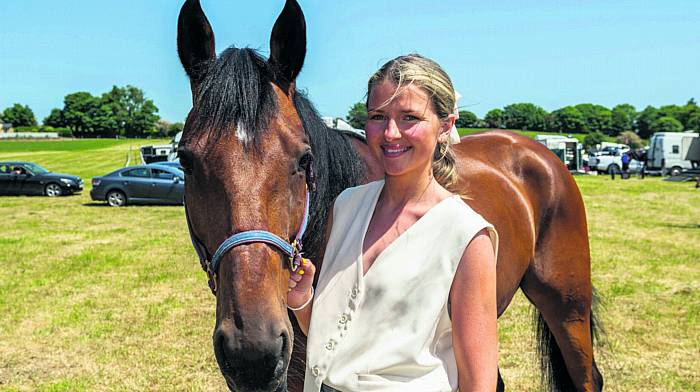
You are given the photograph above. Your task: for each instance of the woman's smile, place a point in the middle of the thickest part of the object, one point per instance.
(394, 150)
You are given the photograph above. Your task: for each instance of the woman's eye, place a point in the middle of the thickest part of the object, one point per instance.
(376, 117)
(410, 117)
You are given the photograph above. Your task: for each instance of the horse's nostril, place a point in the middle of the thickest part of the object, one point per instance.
(251, 364)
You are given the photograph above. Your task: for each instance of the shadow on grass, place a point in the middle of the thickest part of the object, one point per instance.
(682, 226)
(99, 204)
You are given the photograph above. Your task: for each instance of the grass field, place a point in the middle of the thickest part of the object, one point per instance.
(113, 299)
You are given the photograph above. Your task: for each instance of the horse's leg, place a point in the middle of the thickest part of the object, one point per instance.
(558, 283)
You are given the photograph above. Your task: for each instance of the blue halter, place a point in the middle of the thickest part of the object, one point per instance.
(292, 251)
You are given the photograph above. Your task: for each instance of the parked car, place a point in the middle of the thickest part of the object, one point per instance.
(608, 163)
(176, 164)
(28, 178)
(145, 184)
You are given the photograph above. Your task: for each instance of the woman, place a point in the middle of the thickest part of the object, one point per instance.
(406, 300)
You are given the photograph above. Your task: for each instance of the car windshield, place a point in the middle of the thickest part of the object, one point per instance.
(34, 168)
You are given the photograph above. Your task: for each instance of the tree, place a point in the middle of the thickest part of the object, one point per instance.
(357, 116)
(566, 120)
(133, 115)
(694, 123)
(690, 115)
(167, 129)
(494, 118)
(525, 116)
(593, 139)
(666, 124)
(19, 116)
(467, 119)
(597, 118)
(77, 111)
(630, 138)
(55, 119)
(175, 128)
(622, 118)
(644, 120)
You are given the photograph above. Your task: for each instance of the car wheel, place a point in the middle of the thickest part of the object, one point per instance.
(614, 168)
(53, 190)
(675, 171)
(116, 199)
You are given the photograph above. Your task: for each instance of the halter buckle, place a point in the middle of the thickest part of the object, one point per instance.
(295, 258)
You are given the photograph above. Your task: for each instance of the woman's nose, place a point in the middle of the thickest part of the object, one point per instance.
(391, 132)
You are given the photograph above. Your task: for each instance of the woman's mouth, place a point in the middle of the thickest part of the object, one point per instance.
(394, 151)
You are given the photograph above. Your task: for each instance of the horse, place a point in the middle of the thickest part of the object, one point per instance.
(260, 163)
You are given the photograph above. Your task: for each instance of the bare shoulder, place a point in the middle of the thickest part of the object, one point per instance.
(478, 263)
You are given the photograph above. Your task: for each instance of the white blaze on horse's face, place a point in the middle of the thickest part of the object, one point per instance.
(242, 134)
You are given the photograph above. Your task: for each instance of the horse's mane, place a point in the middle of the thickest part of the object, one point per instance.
(236, 89)
(337, 167)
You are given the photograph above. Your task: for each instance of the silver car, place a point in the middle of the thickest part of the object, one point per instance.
(142, 184)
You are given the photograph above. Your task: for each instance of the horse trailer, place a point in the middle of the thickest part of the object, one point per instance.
(668, 152)
(568, 149)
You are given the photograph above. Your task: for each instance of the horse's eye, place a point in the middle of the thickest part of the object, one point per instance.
(185, 158)
(306, 164)
(305, 161)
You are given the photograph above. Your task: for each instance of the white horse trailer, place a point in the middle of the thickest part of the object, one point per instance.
(668, 152)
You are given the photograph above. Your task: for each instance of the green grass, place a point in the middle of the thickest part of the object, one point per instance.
(86, 158)
(113, 299)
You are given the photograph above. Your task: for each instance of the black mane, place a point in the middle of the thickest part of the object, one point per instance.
(236, 89)
(337, 166)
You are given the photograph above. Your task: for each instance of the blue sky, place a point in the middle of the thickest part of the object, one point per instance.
(552, 53)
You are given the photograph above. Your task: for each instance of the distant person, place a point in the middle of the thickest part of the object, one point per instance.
(625, 165)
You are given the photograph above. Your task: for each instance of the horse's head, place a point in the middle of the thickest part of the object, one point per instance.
(247, 159)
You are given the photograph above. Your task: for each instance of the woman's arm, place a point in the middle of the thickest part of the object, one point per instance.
(474, 325)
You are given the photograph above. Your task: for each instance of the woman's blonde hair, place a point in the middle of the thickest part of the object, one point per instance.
(414, 69)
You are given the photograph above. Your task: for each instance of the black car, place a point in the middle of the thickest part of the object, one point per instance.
(28, 178)
(147, 184)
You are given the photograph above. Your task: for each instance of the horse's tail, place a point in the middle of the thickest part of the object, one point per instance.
(555, 376)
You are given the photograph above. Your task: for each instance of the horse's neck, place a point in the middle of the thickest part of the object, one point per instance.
(342, 163)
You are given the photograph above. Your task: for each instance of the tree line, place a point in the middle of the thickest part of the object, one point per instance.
(588, 118)
(120, 112)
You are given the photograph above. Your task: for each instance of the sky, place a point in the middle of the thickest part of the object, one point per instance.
(551, 53)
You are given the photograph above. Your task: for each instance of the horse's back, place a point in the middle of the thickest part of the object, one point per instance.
(522, 188)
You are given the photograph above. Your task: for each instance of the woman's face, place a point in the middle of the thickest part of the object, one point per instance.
(403, 133)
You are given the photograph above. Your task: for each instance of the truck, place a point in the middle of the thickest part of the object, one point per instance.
(672, 152)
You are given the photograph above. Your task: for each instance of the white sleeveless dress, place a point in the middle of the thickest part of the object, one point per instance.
(388, 330)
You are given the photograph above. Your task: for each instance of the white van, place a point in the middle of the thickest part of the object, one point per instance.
(668, 152)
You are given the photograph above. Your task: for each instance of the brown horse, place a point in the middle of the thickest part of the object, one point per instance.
(252, 145)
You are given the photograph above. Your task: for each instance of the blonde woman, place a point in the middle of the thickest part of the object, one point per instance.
(406, 300)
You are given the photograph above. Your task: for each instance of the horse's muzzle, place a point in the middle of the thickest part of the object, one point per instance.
(253, 365)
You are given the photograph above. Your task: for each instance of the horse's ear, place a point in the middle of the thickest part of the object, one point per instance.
(195, 39)
(288, 42)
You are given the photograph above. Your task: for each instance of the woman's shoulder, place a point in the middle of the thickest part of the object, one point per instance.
(358, 192)
(462, 209)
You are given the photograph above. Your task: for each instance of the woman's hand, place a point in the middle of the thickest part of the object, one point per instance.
(300, 281)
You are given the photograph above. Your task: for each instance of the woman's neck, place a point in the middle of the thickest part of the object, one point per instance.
(410, 188)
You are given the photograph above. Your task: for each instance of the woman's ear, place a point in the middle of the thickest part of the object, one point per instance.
(446, 127)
